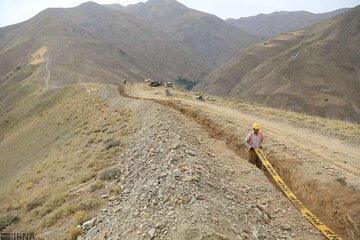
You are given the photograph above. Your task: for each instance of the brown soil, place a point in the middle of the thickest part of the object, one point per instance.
(322, 171)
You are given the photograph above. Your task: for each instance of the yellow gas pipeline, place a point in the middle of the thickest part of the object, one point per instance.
(325, 230)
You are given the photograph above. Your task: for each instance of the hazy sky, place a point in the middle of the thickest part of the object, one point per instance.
(14, 11)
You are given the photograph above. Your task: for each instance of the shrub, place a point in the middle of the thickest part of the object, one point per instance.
(29, 185)
(115, 189)
(54, 202)
(80, 217)
(36, 202)
(6, 220)
(87, 177)
(110, 174)
(74, 233)
(112, 143)
(187, 84)
(97, 185)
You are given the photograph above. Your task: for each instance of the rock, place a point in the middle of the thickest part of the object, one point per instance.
(151, 233)
(176, 173)
(78, 227)
(190, 152)
(113, 198)
(255, 232)
(191, 179)
(162, 175)
(159, 225)
(89, 224)
(200, 197)
(286, 227)
(176, 146)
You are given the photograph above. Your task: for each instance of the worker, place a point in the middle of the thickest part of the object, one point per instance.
(124, 81)
(254, 140)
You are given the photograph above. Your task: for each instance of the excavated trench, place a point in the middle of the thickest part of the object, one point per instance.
(334, 204)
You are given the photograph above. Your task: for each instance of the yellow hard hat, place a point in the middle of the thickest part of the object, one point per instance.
(256, 126)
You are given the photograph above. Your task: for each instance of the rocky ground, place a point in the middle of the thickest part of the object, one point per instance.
(178, 182)
(319, 159)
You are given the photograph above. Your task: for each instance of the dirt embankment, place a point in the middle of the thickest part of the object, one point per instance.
(336, 204)
(313, 167)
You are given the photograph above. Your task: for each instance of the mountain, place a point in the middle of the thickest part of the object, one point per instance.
(209, 36)
(114, 6)
(90, 43)
(270, 25)
(314, 70)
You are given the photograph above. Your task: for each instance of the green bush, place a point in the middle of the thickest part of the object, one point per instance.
(6, 220)
(112, 143)
(110, 174)
(187, 84)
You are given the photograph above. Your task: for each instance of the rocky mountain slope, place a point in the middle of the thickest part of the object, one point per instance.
(314, 70)
(92, 43)
(209, 36)
(270, 25)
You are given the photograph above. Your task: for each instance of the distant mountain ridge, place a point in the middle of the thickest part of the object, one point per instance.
(270, 25)
(209, 36)
(315, 70)
(93, 43)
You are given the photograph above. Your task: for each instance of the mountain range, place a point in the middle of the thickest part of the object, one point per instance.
(315, 70)
(96, 43)
(208, 35)
(312, 70)
(270, 25)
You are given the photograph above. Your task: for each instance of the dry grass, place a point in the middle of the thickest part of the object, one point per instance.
(74, 233)
(80, 217)
(115, 189)
(71, 209)
(54, 187)
(97, 185)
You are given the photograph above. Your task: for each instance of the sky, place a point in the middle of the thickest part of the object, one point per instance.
(14, 11)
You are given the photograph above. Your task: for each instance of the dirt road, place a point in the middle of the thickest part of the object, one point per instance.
(323, 171)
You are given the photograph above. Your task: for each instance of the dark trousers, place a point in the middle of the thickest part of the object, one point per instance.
(254, 159)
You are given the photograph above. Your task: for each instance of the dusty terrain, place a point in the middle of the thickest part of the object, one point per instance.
(93, 161)
(317, 159)
(179, 182)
